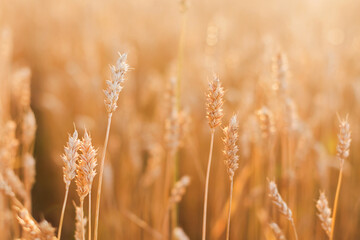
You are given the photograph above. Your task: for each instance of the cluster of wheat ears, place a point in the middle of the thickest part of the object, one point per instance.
(278, 165)
(80, 162)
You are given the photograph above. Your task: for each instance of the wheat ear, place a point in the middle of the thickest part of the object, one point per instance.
(324, 213)
(343, 148)
(114, 87)
(88, 156)
(266, 122)
(85, 172)
(28, 136)
(47, 231)
(177, 193)
(70, 157)
(231, 159)
(29, 225)
(279, 235)
(80, 223)
(281, 205)
(214, 103)
(179, 234)
(172, 137)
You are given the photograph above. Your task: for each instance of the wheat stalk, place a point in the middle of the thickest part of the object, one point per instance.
(114, 87)
(281, 205)
(70, 158)
(214, 103)
(85, 172)
(324, 213)
(88, 164)
(231, 159)
(343, 148)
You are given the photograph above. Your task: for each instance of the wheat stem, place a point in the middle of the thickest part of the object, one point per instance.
(294, 228)
(168, 167)
(229, 215)
(97, 210)
(165, 225)
(335, 204)
(89, 215)
(180, 58)
(207, 184)
(63, 211)
(82, 218)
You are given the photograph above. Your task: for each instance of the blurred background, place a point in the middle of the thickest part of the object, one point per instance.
(297, 59)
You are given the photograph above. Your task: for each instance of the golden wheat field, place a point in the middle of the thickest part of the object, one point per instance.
(181, 119)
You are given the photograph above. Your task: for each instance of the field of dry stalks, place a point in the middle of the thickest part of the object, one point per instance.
(154, 119)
